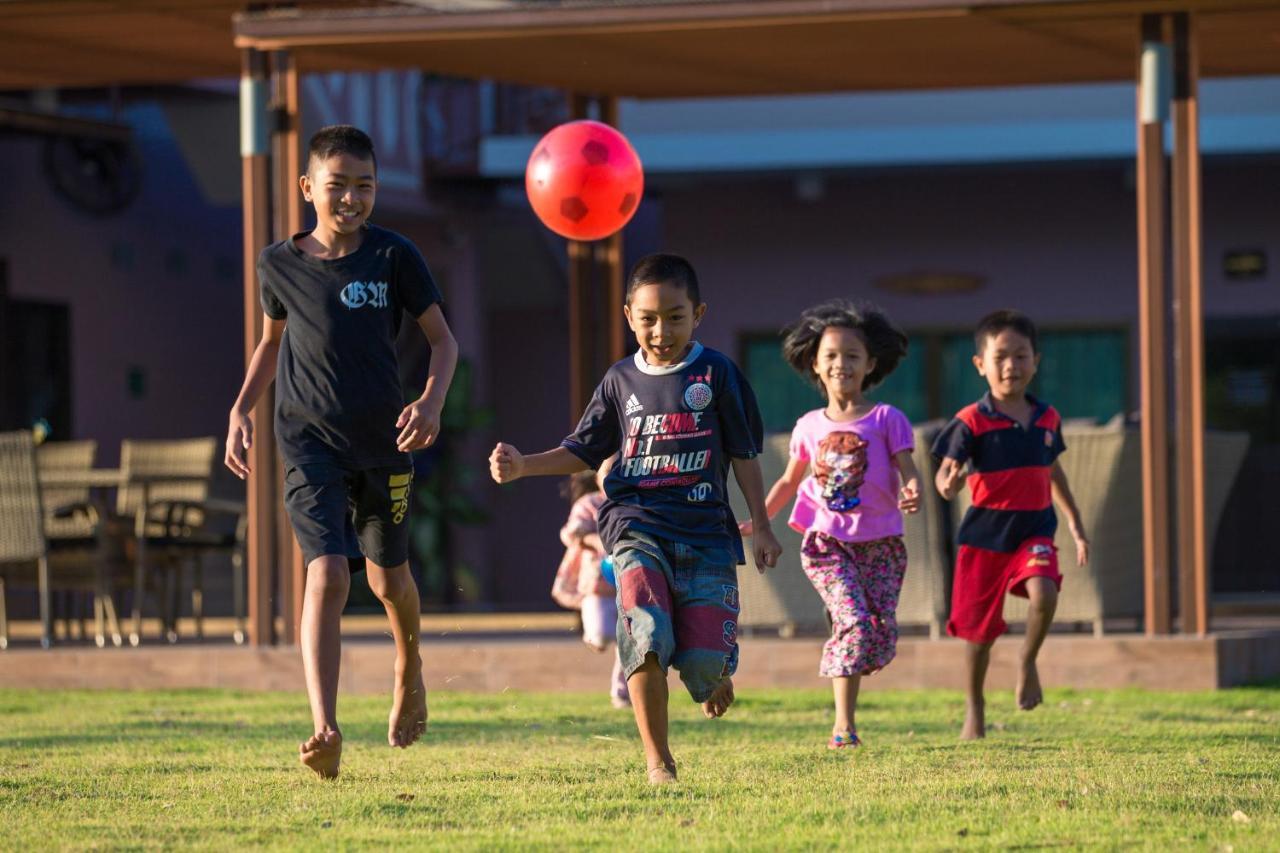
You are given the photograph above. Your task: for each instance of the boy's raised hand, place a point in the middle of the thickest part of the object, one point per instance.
(419, 424)
(506, 463)
(765, 548)
(239, 439)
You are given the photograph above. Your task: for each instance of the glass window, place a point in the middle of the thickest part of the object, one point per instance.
(1084, 373)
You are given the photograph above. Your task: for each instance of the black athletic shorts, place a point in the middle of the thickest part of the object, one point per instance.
(334, 509)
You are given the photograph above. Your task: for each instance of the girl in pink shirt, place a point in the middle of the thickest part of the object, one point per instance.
(580, 583)
(852, 477)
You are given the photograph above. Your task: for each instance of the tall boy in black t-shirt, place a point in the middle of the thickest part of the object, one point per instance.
(679, 415)
(333, 299)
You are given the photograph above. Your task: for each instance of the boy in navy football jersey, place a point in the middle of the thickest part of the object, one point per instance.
(680, 415)
(1012, 442)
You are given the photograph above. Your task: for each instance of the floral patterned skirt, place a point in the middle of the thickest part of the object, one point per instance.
(860, 583)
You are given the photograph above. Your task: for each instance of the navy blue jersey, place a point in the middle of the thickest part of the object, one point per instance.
(1009, 472)
(676, 428)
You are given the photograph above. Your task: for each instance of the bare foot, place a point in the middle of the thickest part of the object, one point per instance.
(975, 726)
(322, 753)
(1029, 693)
(663, 774)
(720, 700)
(408, 718)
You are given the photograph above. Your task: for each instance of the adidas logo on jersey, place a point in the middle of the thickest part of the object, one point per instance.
(633, 405)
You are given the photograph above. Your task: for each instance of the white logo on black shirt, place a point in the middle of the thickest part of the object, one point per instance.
(633, 405)
(359, 294)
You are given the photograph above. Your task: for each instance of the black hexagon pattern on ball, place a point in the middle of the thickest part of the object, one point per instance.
(573, 208)
(595, 152)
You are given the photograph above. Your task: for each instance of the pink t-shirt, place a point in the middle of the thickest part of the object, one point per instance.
(851, 492)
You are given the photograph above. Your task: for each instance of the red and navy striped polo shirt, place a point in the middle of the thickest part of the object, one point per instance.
(1008, 474)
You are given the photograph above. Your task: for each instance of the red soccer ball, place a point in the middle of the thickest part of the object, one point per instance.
(584, 180)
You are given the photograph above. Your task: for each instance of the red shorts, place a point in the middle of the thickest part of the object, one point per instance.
(982, 579)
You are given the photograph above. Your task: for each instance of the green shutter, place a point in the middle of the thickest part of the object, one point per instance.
(782, 394)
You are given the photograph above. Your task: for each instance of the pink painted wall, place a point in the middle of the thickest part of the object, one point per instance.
(175, 310)
(1056, 241)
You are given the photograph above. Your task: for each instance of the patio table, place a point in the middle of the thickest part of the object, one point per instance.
(99, 478)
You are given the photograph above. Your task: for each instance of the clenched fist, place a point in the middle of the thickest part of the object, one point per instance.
(506, 463)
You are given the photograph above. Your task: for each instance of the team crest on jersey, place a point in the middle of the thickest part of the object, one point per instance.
(697, 393)
(1048, 438)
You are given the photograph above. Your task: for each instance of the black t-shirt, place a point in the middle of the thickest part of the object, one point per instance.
(337, 381)
(676, 427)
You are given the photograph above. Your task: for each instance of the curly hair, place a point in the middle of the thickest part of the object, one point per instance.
(884, 342)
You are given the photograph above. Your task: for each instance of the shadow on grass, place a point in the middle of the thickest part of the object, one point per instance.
(536, 726)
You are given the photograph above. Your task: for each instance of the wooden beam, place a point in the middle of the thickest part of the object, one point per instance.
(1193, 569)
(256, 190)
(287, 205)
(1152, 310)
(276, 29)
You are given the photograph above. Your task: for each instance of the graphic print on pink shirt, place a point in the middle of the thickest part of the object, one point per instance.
(840, 466)
(851, 491)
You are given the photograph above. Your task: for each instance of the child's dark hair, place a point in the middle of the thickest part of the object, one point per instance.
(340, 139)
(998, 321)
(579, 484)
(664, 269)
(884, 342)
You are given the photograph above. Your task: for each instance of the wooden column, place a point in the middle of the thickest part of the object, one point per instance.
(611, 264)
(1152, 107)
(255, 199)
(581, 316)
(5, 414)
(286, 166)
(597, 333)
(1193, 569)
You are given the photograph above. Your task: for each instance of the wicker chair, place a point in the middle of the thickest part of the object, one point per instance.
(926, 585)
(68, 510)
(782, 599)
(75, 517)
(1104, 467)
(27, 555)
(178, 524)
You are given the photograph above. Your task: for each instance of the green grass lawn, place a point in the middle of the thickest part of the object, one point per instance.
(215, 769)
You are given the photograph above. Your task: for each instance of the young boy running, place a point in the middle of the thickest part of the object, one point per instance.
(681, 415)
(333, 299)
(1011, 441)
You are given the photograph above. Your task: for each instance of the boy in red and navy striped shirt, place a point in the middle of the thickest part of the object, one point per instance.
(1011, 442)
